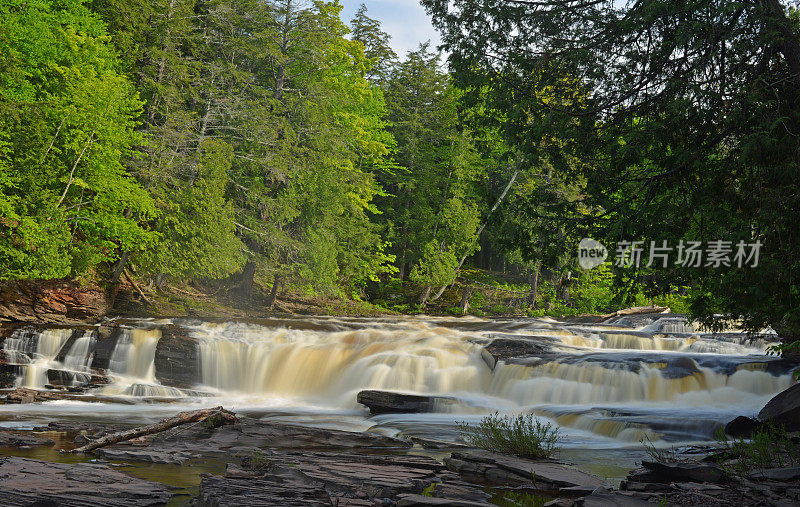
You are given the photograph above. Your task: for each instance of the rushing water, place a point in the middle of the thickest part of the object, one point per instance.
(605, 385)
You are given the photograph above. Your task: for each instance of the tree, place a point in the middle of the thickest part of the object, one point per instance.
(380, 55)
(434, 205)
(685, 119)
(67, 119)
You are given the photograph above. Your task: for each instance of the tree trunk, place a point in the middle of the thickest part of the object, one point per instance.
(566, 281)
(226, 417)
(423, 300)
(534, 284)
(273, 293)
(465, 300)
(248, 276)
(480, 230)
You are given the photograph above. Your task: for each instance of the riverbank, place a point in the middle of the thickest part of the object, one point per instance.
(256, 462)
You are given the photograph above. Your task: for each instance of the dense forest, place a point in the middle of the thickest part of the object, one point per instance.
(270, 143)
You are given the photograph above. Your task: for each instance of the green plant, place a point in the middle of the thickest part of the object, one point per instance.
(659, 455)
(769, 447)
(523, 435)
(257, 461)
(428, 491)
(520, 499)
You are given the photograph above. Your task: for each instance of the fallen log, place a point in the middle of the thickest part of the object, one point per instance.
(636, 310)
(220, 415)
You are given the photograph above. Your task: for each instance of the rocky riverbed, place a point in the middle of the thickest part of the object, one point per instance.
(259, 462)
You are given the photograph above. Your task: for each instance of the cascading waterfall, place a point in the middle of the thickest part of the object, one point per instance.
(79, 356)
(421, 357)
(35, 351)
(255, 360)
(132, 366)
(665, 380)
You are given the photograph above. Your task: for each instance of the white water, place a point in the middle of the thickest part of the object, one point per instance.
(603, 384)
(36, 351)
(132, 366)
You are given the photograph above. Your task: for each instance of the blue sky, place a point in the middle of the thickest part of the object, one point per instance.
(405, 20)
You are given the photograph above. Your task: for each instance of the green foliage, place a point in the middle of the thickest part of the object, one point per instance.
(658, 454)
(524, 435)
(702, 147)
(197, 229)
(67, 125)
(769, 447)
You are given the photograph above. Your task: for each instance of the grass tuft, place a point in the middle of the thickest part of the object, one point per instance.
(523, 435)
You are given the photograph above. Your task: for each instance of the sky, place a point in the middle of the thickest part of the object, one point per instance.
(405, 20)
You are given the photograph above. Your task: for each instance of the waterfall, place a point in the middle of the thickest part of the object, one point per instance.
(132, 365)
(287, 362)
(79, 356)
(35, 351)
(664, 380)
(134, 354)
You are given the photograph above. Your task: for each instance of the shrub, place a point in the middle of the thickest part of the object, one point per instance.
(769, 447)
(523, 435)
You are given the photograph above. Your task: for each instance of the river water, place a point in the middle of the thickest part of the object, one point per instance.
(606, 386)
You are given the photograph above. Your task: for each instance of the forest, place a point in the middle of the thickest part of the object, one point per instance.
(272, 146)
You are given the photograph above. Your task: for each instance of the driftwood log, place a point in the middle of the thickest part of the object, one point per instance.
(636, 310)
(224, 417)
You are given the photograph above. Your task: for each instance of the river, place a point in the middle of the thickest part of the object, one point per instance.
(607, 386)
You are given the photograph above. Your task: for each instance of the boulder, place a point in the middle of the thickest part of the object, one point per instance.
(387, 402)
(688, 471)
(8, 439)
(31, 482)
(784, 409)
(516, 349)
(742, 427)
(501, 469)
(177, 362)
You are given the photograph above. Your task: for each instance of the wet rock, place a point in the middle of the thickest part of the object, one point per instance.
(602, 497)
(324, 478)
(267, 491)
(742, 427)
(512, 350)
(781, 474)
(387, 402)
(241, 439)
(69, 378)
(680, 367)
(25, 395)
(496, 468)
(683, 472)
(145, 455)
(31, 482)
(8, 375)
(105, 341)
(52, 301)
(784, 409)
(8, 439)
(176, 360)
